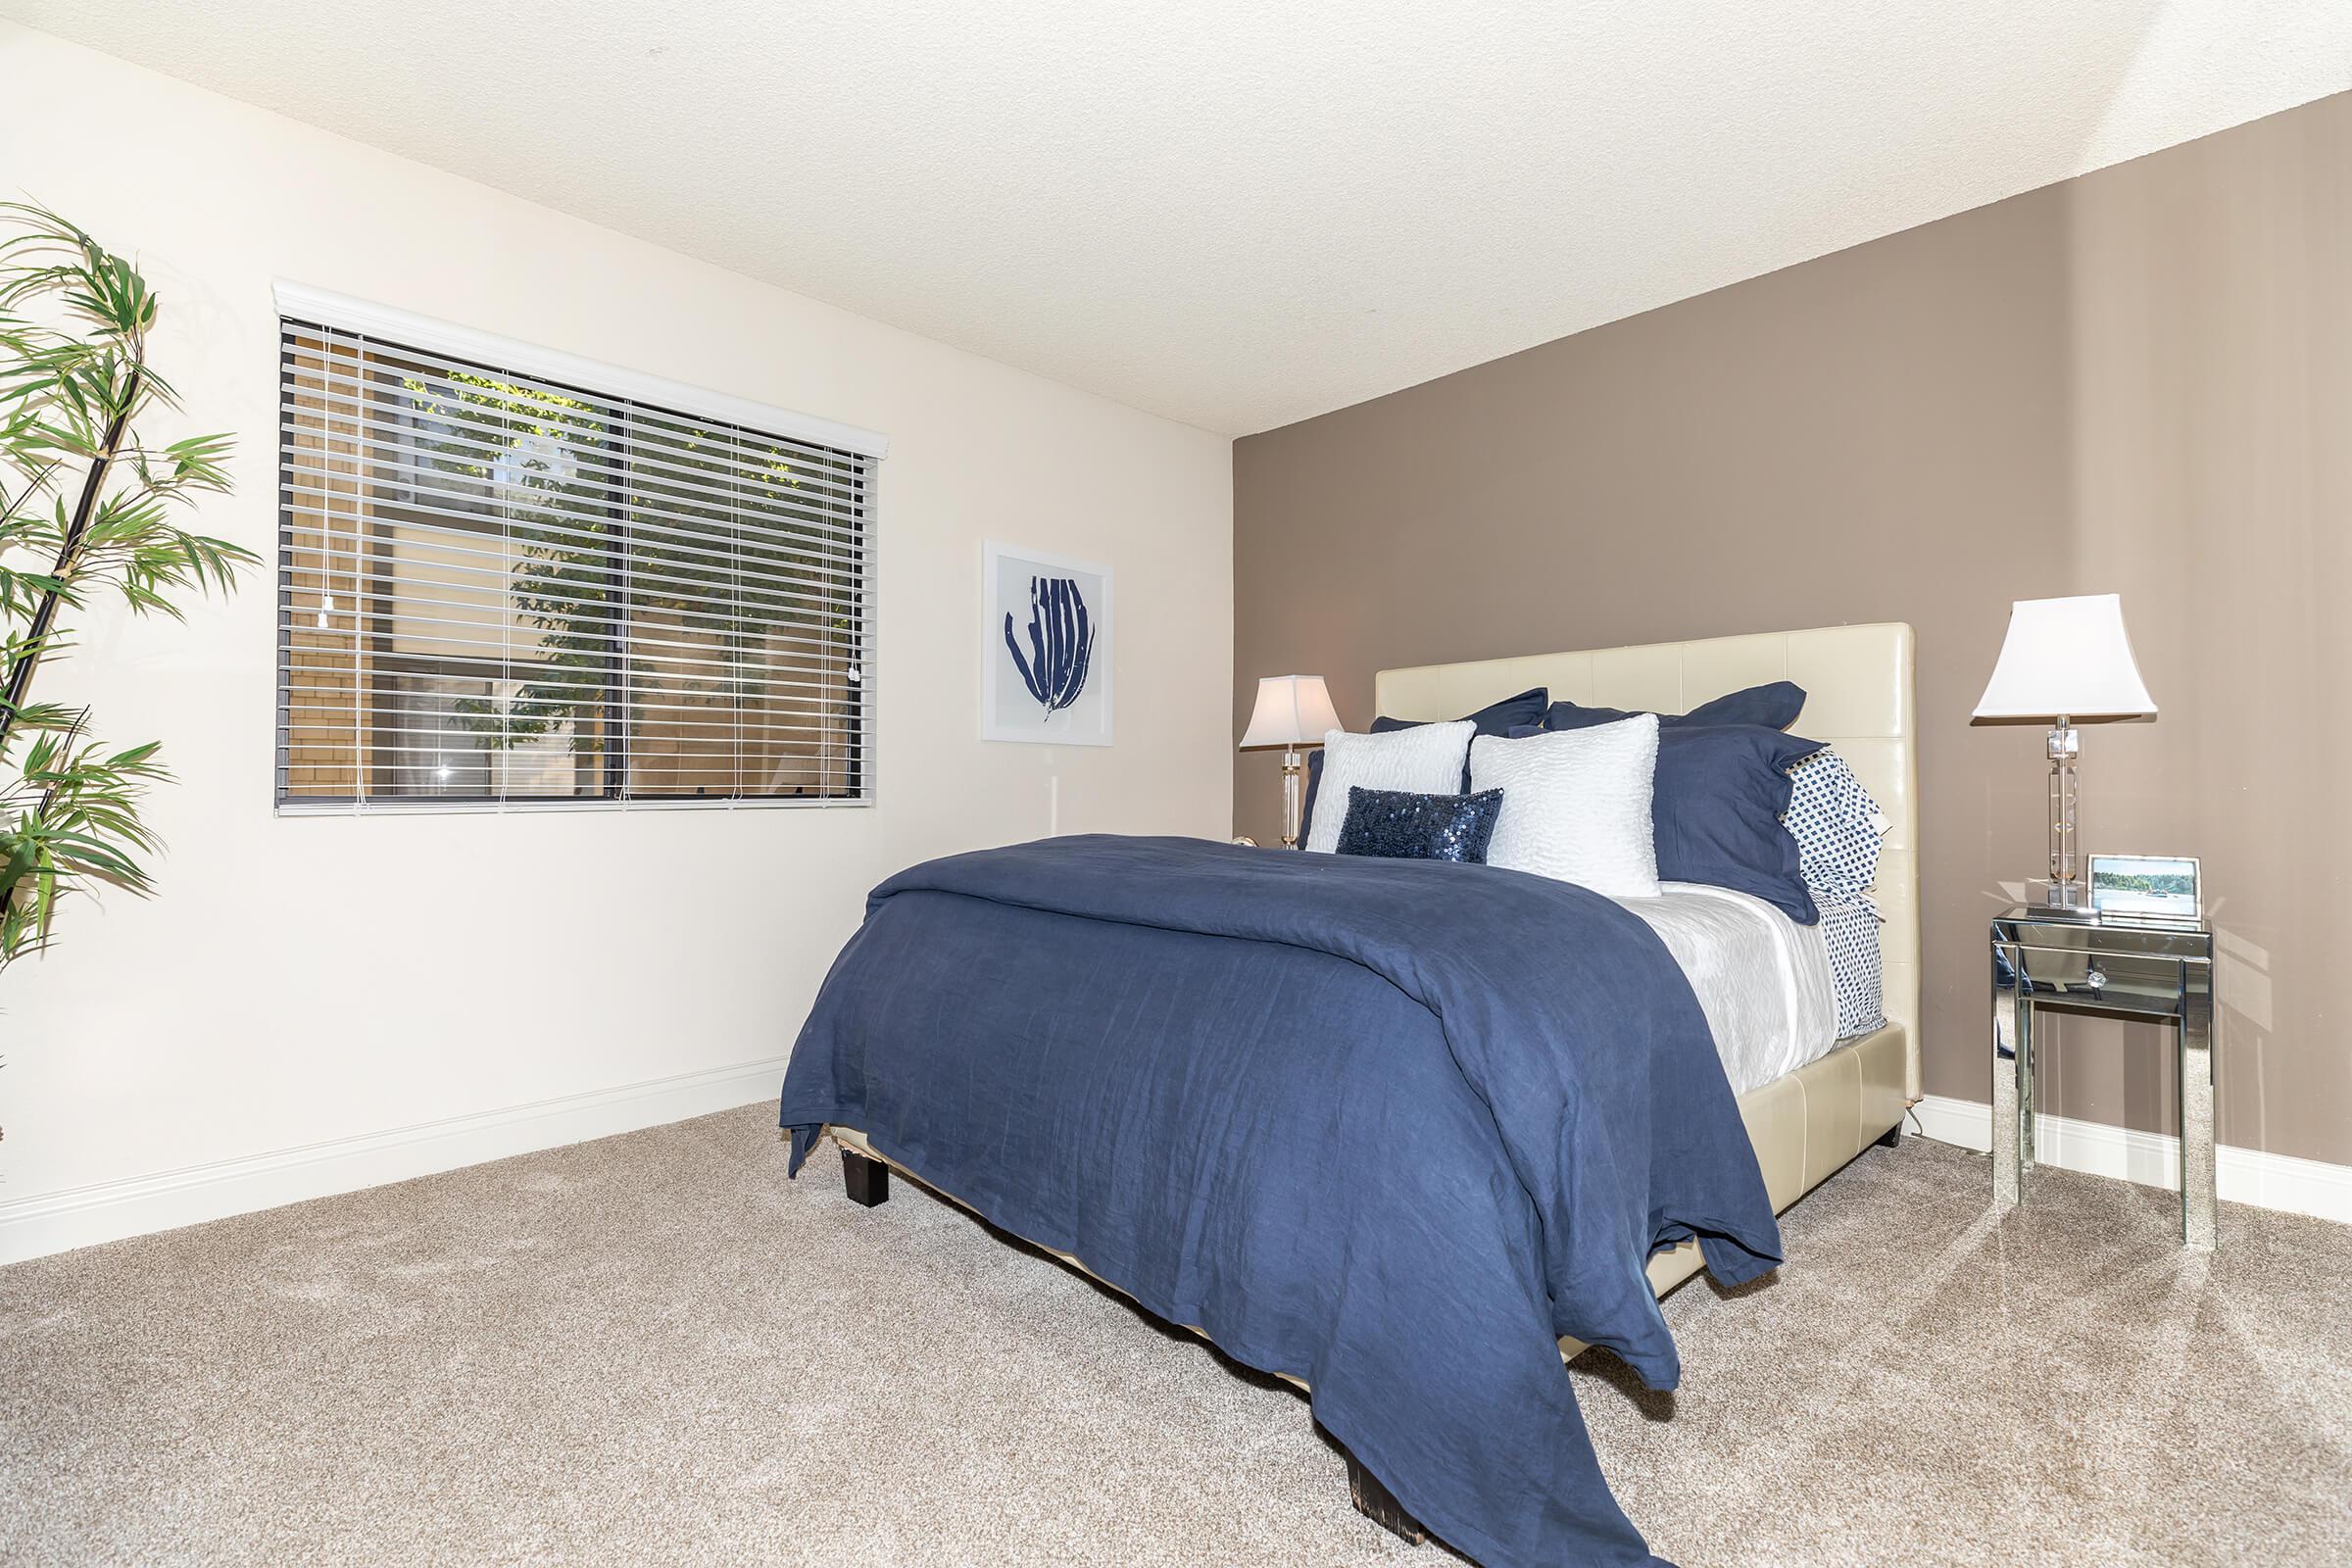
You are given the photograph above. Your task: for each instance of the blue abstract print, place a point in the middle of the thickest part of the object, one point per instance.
(1061, 642)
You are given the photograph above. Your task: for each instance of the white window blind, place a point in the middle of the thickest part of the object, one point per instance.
(500, 590)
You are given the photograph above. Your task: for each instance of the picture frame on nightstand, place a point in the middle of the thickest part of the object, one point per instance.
(2154, 887)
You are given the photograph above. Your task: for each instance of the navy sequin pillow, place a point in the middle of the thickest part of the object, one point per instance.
(1398, 825)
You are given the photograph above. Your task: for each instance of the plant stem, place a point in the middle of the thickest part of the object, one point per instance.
(20, 674)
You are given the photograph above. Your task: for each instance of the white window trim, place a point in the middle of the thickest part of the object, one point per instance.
(320, 307)
(325, 308)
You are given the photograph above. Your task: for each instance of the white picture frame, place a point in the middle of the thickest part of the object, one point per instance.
(1046, 642)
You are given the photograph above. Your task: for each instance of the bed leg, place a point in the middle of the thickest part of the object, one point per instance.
(1892, 1137)
(868, 1180)
(1378, 1505)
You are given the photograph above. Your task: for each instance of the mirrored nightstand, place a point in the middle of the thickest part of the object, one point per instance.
(2131, 966)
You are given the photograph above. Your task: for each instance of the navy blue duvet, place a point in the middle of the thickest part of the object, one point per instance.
(1390, 1127)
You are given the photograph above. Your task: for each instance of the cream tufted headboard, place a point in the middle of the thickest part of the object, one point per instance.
(1857, 682)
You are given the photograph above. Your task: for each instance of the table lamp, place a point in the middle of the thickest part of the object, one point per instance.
(1293, 711)
(2065, 661)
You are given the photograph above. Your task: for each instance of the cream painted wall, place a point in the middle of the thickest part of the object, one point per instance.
(305, 981)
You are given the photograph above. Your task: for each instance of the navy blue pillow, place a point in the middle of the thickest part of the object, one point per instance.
(1496, 718)
(1715, 810)
(1400, 825)
(1774, 705)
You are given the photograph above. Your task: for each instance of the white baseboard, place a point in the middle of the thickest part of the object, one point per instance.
(33, 1227)
(53, 1222)
(2153, 1159)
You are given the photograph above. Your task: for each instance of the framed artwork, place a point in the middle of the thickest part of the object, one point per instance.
(2164, 886)
(1045, 654)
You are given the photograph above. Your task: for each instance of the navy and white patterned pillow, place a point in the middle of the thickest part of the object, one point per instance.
(1850, 927)
(1835, 824)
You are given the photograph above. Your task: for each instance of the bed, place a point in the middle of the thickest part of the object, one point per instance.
(1809, 1123)
(1433, 1179)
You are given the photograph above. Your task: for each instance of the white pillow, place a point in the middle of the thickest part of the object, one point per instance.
(1426, 759)
(1575, 805)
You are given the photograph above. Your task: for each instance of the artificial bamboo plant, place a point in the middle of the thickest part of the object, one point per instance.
(89, 508)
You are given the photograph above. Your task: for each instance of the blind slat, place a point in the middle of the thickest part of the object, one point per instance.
(570, 520)
(309, 605)
(321, 723)
(428, 647)
(608, 463)
(401, 525)
(311, 343)
(341, 410)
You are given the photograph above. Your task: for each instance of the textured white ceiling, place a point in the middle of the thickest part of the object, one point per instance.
(1241, 213)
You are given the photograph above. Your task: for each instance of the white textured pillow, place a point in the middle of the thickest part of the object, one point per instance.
(1575, 805)
(1426, 759)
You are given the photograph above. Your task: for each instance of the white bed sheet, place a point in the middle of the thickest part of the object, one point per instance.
(1762, 980)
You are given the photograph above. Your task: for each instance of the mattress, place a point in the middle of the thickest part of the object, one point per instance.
(1762, 980)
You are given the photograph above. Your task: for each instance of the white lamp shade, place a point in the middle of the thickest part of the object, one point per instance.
(2067, 658)
(1291, 711)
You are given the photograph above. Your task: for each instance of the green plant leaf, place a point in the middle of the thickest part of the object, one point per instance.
(70, 807)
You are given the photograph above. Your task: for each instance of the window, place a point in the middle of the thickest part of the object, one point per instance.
(502, 587)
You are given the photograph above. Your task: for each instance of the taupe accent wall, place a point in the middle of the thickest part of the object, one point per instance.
(2137, 381)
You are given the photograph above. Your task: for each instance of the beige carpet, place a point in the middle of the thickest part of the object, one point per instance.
(654, 1350)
